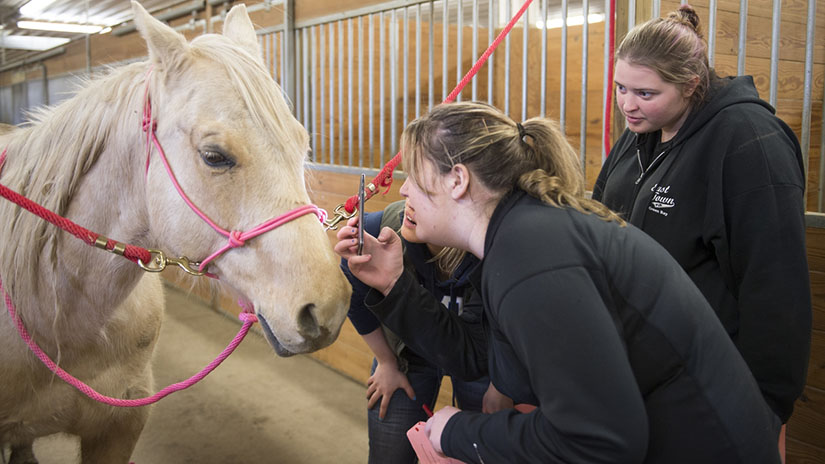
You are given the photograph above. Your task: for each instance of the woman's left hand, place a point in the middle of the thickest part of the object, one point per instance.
(435, 425)
(495, 401)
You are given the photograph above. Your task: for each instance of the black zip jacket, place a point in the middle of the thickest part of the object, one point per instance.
(726, 200)
(598, 326)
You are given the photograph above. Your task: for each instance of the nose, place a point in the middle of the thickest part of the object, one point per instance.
(403, 190)
(627, 103)
(308, 325)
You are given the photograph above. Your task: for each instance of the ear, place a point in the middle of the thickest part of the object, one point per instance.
(238, 27)
(167, 48)
(458, 181)
(690, 87)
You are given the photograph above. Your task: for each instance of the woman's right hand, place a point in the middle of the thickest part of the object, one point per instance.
(383, 383)
(382, 261)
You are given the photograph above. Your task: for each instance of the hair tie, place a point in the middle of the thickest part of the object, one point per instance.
(522, 133)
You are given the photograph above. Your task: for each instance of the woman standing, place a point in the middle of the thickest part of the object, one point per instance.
(708, 171)
(590, 320)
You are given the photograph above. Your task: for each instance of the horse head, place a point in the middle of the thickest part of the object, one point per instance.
(239, 155)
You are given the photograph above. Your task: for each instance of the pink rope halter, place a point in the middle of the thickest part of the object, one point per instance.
(140, 255)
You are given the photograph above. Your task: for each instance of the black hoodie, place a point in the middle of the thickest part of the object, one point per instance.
(725, 198)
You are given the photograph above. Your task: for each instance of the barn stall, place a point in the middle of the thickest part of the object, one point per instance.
(357, 71)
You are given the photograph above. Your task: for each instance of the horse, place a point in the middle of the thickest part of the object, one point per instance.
(240, 157)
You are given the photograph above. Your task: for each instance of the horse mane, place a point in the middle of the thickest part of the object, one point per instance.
(47, 157)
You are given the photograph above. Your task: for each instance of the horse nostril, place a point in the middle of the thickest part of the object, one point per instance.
(308, 323)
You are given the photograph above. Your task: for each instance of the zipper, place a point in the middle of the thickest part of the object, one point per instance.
(641, 167)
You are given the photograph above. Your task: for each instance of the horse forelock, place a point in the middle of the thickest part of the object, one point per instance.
(260, 94)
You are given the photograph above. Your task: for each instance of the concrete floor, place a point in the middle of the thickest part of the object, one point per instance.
(255, 407)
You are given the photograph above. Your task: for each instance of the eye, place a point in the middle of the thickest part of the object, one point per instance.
(620, 88)
(644, 94)
(216, 159)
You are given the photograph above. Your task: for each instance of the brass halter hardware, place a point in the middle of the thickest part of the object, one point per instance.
(159, 262)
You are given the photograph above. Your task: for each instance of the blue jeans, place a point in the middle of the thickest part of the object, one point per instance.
(388, 437)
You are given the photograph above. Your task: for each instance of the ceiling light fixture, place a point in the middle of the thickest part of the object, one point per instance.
(59, 27)
(29, 42)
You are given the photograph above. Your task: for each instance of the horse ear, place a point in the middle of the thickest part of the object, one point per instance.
(166, 47)
(238, 27)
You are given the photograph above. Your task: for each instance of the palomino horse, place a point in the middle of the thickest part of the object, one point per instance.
(237, 153)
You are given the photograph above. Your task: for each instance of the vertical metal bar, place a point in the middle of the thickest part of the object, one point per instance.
(417, 61)
(331, 56)
(322, 38)
(381, 79)
(341, 93)
(822, 156)
(393, 63)
(583, 121)
(563, 83)
(305, 76)
(490, 37)
(361, 90)
(475, 46)
(711, 32)
(743, 37)
(289, 50)
(445, 40)
(507, 14)
(806, 99)
(777, 12)
(657, 7)
(350, 62)
(606, 88)
(525, 45)
(431, 59)
(264, 49)
(371, 88)
(543, 98)
(299, 76)
(405, 95)
(631, 14)
(459, 38)
(314, 115)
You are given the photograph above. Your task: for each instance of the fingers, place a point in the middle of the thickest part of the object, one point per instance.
(410, 392)
(385, 403)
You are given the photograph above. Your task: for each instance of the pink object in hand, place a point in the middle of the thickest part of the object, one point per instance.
(424, 449)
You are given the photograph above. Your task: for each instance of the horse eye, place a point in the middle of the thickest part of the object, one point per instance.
(216, 159)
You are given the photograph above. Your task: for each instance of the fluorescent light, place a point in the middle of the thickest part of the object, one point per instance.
(30, 42)
(571, 21)
(33, 8)
(59, 27)
(106, 30)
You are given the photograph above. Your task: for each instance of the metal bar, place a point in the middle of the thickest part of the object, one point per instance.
(563, 79)
(711, 32)
(631, 14)
(583, 116)
(350, 62)
(490, 37)
(525, 45)
(777, 11)
(305, 75)
(381, 79)
(341, 93)
(806, 99)
(507, 14)
(445, 40)
(405, 71)
(475, 47)
(393, 63)
(356, 12)
(606, 85)
(322, 39)
(360, 91)
(417, 61)
(459, 38)
(657, 7)
(543, 97)
(331, 83)
(288, 52)
(312, 129)
(299, 76)
(431, 59)
(371, 87)
(743, 37)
